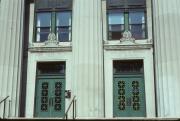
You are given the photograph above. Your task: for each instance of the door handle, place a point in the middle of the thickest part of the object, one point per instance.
(52, 101)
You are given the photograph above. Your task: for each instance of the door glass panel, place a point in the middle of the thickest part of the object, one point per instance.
(128, 66)
(51, 68)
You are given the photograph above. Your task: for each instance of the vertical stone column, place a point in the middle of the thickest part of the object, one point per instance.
(167, 56)
(11, 33)
(88, 58)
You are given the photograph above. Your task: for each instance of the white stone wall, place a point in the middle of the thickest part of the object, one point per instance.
(11, 33)
(167, 56)
(88, 58)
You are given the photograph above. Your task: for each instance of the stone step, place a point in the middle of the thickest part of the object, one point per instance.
(93, 119)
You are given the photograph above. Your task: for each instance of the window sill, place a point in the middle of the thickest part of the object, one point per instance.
(128, 44)
(50, 47)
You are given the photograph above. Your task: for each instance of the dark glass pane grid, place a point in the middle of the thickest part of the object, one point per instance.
(51, 68)
(63, 26)
(53, 16)
(128, 66)
(42, 34)
(126, 15)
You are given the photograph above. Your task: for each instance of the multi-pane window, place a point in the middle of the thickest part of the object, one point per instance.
(126, 15)
(53, 16)
(43, 26)
(116, 23)
(63, 25)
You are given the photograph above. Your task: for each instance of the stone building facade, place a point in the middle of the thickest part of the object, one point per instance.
(116, 58)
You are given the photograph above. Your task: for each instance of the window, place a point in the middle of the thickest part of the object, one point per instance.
(53, 16)
(126, 15)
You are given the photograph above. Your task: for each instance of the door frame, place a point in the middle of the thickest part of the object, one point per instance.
(33, 59)
(147, 57)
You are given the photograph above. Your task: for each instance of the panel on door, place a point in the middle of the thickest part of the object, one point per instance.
(128, 96)
(42, 103)
(128, 88)
(58, 98)
(50, 97)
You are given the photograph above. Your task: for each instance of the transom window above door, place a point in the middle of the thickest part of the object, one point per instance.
(126, 15)
(53, 16)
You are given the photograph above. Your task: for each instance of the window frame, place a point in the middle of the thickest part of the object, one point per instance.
(146, 24)
(53, 26)
(126, 21)
(149, 27)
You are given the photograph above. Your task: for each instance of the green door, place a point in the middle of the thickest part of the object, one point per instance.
(128, 96)
(50, 96)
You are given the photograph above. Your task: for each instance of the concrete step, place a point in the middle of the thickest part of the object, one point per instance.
(93, 119)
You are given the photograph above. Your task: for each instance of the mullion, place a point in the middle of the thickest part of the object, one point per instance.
(126, 21)
(53, 22)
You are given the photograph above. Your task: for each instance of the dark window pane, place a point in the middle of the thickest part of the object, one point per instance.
(128, 66)
(43, 19)
(63, 34)
(42, 34)
(137, 23)
(115, 35)
(63, 19)
(115, 17)
(136, 17)
(138, 31)
(51, 68)
(116, 27)
(116, 24)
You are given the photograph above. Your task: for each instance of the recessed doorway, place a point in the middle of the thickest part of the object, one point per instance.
(50, 89)
(128, 88)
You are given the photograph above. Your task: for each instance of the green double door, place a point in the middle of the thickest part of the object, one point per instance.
(129, 96)
(50, 96)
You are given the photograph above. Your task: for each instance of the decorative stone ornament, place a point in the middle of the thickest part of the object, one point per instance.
(52, 40)
(127, 36)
